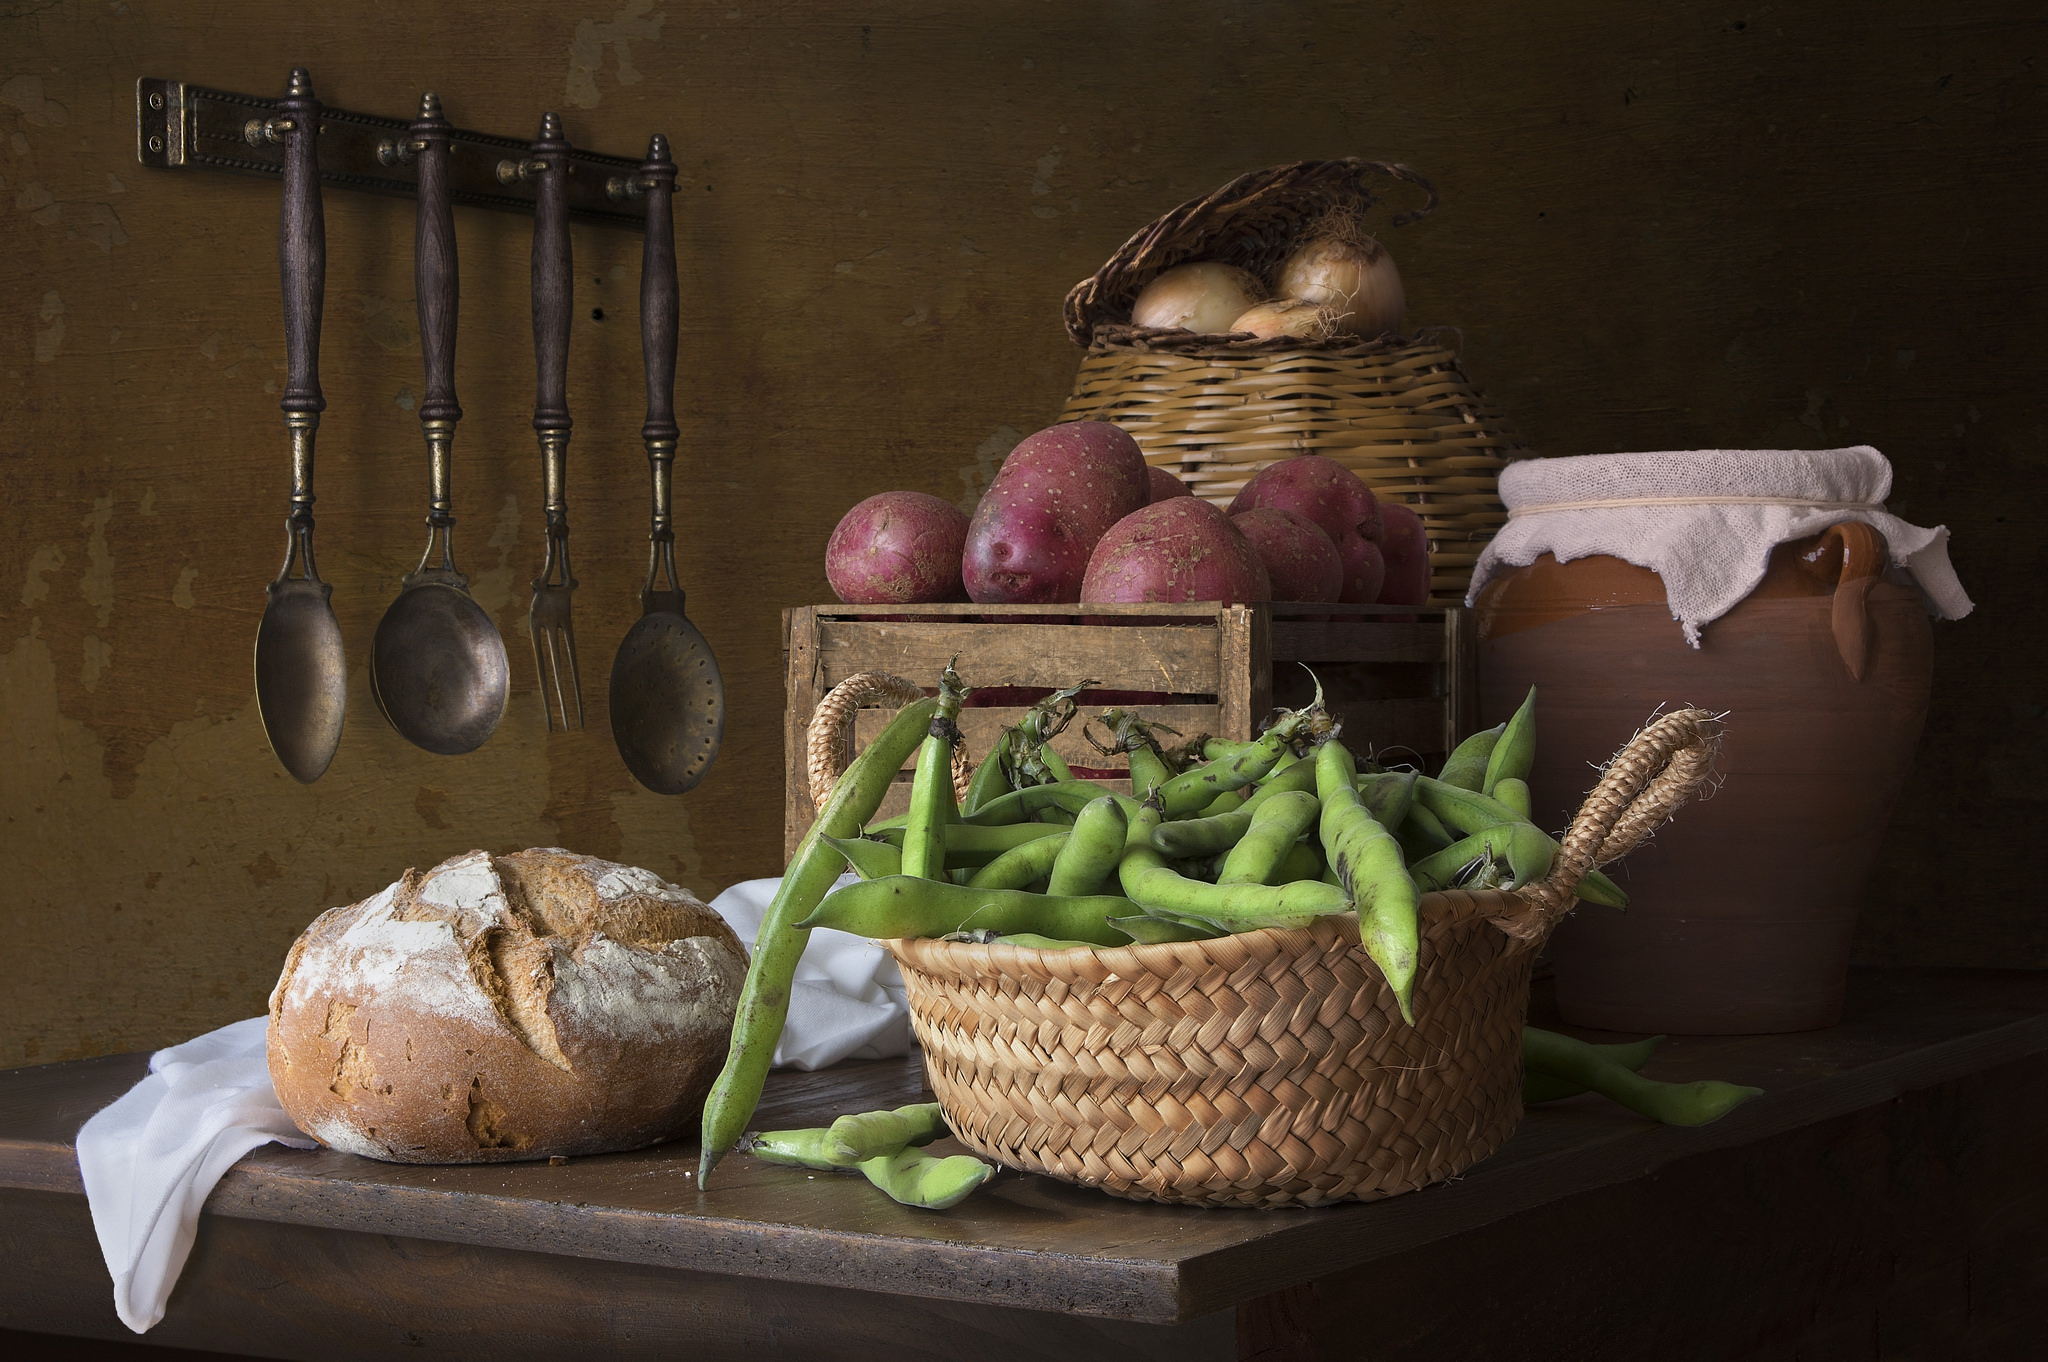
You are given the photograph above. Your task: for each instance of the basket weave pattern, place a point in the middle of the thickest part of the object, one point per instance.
(1398, 411)
(1404, 418)
(1271, 1068)
(1264, 1069)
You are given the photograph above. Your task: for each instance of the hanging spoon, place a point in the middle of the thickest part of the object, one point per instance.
(437, 664)
(667, 699)
(301, 678)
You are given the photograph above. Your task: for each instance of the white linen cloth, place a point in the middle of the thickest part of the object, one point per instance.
(1706, 520)
(150, 1160)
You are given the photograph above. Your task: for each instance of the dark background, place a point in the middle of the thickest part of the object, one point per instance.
(1678, 225)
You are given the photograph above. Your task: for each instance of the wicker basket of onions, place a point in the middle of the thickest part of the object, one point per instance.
(1266, 320)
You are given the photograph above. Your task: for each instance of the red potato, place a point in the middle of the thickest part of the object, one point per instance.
(1406, 549)
(897, 548)
(1338, 501)
(1052, 499)
(1180, 549)
(1299, 557)
(1165, 484)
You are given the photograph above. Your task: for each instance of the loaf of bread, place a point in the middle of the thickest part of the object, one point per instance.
(505, 1007)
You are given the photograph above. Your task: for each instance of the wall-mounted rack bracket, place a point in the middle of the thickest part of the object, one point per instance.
(183, 127)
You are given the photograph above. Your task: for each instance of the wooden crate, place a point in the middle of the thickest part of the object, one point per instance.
(1401, 683)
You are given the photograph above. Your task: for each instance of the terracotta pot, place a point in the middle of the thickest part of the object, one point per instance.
(1742, 910)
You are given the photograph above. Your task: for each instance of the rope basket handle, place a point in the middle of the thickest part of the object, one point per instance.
(828, 742)
(1647, 782)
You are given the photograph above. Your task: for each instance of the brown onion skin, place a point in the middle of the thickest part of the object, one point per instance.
(1299, 557)
(1180, 549)
(897, 548)
(1054, 497)
(1406, 549)
(1338, 501)
(1164, 484)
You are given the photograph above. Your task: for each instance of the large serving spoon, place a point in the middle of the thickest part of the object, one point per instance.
(301, 678)
(667, 698)
(437, 664)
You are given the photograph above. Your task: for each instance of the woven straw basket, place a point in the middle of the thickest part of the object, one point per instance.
(1271, 1068)
(1397, 411)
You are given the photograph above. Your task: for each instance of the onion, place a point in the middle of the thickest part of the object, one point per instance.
(1203, 297)
(1291, 317)
(1343, 267)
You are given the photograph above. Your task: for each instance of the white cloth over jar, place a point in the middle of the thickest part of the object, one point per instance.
(1706, 520)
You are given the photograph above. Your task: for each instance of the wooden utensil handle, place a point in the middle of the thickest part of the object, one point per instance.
(658, 293)
(302, 248)
(435, 273)
(553, 279)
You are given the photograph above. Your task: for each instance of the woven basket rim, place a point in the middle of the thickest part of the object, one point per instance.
(1232, 223)
(936, 955)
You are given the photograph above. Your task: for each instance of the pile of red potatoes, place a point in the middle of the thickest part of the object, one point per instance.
(1075, 514)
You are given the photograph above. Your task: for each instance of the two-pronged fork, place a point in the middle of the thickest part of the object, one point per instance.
(554, 637)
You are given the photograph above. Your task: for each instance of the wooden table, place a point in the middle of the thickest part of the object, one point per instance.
(1887, 1197)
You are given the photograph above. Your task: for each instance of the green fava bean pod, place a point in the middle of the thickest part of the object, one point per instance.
(1389, 795)
(1153, 885)
(1538, 1086)
(931, 790)
(1033, 941)
(1193, 790)
(1370, 867)
(1092, 851)
(1148, 769)
(990, 780)
(1303, 861)
(1227, 802)
(1187, 838)
(1675, 1104)
(1513, 793)
(904, 906)
(1523, 848)
(1275, 826)
(867, 1134)
(764, 997)
(1515, 754)
(1469, 812)
(793, 1148)
(1466, 766)
(1019, 805)
(1153, 931)
(1021, 866)
(919, 1180)
(870, 859)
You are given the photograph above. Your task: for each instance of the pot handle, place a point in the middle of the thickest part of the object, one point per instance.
(1647, 782)
(1855, 556)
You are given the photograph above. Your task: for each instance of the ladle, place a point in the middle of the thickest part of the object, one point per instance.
(667, 698)
(301, 678)
(437, 663)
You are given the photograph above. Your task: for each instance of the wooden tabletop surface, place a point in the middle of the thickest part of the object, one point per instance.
(1034, 1243)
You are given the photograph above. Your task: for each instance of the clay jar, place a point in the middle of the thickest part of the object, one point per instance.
(1742, 909)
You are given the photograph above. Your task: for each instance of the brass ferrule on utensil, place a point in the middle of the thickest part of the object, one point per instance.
(664, 590)
(302, 426)
(440, 452)
(554, 472)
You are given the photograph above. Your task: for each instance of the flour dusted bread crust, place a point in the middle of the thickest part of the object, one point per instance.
(505, 1007)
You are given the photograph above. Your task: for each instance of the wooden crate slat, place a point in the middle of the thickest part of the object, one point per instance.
(1344, 641)
(981, 727)
(1180, 661)
(1183, 650)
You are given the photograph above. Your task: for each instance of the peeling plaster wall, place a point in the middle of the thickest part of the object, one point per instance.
(1665, 226)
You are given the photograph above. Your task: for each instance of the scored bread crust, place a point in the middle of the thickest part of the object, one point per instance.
(505, 1007)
